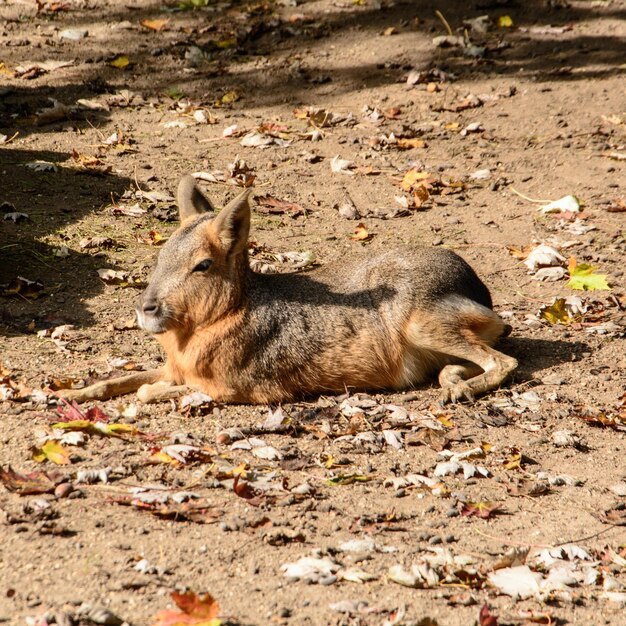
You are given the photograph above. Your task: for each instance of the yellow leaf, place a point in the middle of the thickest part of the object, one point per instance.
(514, 461)
(52, 451)
(406, 144)
(120, 62)
(446, 421)
(389, 31)
(163, 457)
(557, 313)
(157, 25)
(225, 43)
(361, 233)
(505, 21)
(228, 98)
(452, 126)
(6, 71)
(412, 177)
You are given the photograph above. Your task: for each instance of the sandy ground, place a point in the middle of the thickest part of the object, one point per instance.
(146, 94)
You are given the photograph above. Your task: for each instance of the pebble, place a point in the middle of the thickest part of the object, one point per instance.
(451, 539)
(452, 512)
(63, 490)
(435, 540)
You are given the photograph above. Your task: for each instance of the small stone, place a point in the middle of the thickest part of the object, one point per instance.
(63, 490)
(452, 512)
(435, 540)
(451, 539)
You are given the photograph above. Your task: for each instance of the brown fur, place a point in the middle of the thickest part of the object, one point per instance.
(390, 321)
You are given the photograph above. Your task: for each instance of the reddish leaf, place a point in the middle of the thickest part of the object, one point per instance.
(246, 491)
(27, 484)
(485, 618)
(484, 510)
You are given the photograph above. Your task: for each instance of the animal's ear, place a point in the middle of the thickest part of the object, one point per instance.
(232, 225)
(191, 201)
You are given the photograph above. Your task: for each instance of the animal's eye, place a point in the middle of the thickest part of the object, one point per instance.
(203, 265)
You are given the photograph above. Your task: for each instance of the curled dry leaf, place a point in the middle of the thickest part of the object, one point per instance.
(275, 206)
(32, 483)
(342, 166)
(361, 233)
(484, 510)
(543, 256)
(566, 204)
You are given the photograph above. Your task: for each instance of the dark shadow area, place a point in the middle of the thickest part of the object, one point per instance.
(536, 355)
(51, 199)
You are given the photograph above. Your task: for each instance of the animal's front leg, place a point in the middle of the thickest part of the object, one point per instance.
(113, 387)
(161, 391)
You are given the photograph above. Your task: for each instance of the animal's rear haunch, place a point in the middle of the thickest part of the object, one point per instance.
(389, 321)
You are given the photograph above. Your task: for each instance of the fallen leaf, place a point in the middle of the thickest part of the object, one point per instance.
(51, 451)
(566, 204)
(483, 510)
(361, 233)
(486, 618)
(347, 479)
(517, 582)
(97, 428)
(582, 277)
(275, 206)
(27, 484)
(504, 21)
(342, 166)
(408, 144)
(195, 610)
(227, 99)
(543, 256)
(20, 286)
(311, 569)
(563, 310)
(120, 62)
(156, 25)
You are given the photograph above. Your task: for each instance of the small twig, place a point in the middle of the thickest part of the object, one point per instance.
(439, 14)
(10, 139)
(512, 542)
(521, 195)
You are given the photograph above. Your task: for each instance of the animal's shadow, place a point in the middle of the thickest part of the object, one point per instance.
(538, 355)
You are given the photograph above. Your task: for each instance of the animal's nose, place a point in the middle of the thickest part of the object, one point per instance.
(150, 307)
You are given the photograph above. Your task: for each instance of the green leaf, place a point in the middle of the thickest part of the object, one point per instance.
(97, 428)
(583, 278)
(347, 479)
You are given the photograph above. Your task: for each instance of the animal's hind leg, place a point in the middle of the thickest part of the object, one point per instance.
(463, 330)
(452, 375)
(493, 367)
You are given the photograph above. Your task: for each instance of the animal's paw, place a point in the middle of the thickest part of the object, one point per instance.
(457, 393)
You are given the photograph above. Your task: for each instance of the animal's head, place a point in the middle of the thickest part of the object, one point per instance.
(200, 273)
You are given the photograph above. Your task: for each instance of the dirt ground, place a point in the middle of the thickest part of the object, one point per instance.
(509, 115)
